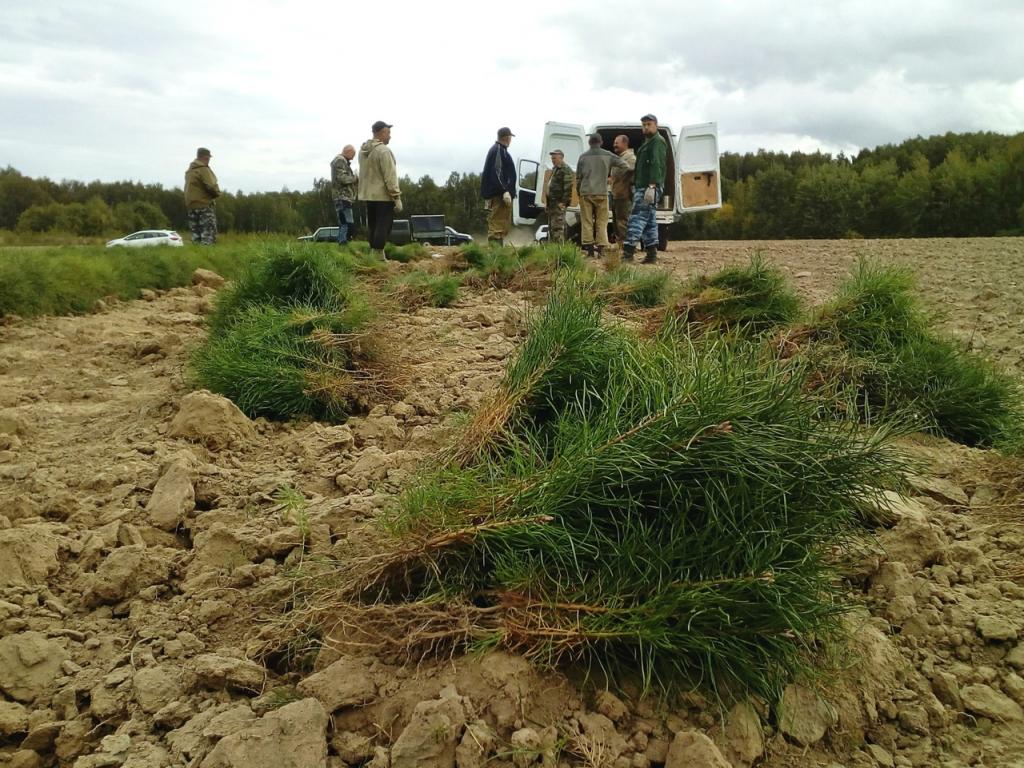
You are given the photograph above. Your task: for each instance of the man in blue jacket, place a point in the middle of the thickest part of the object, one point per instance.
(497, 185)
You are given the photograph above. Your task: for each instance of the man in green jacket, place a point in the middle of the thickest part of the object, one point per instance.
(648, 187)
(200, 191)
(559, 196)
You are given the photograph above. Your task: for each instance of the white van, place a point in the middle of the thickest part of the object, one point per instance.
(692, 180)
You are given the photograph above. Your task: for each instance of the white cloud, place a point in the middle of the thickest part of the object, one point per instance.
(111, 89)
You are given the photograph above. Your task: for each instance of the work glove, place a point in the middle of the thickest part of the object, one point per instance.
(398, 205)
(649, 196)
(506, 198)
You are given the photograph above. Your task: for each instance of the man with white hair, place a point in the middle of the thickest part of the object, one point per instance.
(344, 183)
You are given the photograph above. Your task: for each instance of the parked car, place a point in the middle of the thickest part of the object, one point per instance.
(322, 235)
(542, 234)
(457, 238)
(692, 183)
(146, 238)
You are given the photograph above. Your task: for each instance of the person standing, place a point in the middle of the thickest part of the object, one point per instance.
(378, 185)
(592, 171)
(559, 196)
(497, 185)
(648, 187)
(200, 191)
(622, 187)
(344, 186)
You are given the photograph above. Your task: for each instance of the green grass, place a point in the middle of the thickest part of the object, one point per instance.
(664, 508)
(406, 253)
(419, 289)
(62, 280)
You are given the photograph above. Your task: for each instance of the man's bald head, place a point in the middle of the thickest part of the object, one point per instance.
(348, 152)
(621, 144)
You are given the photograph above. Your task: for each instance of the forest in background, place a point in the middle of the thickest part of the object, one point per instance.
(952, 185)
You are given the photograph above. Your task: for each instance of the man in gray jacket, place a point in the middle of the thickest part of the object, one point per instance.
(592, 172)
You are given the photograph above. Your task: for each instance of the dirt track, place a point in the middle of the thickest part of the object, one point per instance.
(133, 562)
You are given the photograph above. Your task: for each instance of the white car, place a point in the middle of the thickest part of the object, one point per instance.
(542, 234)
(148, 237)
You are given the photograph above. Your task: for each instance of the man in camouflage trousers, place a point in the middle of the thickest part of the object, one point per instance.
(200, 191)
(344, 184)
(648, 187)
(559, 196)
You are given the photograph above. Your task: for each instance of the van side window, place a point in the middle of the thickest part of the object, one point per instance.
(528, 174)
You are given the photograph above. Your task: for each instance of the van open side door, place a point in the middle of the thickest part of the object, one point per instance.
(534, 176)
(698, 181)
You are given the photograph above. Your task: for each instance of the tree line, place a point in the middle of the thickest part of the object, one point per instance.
(953, 185)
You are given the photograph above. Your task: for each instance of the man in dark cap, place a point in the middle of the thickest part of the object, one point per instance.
(559, 196)
(648, 187)
(497, 185)
(592, 171)
(378, 185)
(200, 191)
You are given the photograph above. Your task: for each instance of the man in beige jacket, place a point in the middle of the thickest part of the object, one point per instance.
(200, 191)
(378, 185)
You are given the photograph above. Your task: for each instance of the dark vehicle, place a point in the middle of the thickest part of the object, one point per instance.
(428, 229)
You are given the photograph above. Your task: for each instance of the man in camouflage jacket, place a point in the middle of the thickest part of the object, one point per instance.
(344, 184)
(200, 191)
(559, 196)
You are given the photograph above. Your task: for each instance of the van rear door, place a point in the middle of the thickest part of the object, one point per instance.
(534, 176)
(698, 181)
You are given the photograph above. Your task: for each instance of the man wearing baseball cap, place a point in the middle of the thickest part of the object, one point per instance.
(378, 185)
(200, 191)
(497, 185)
(648, 187)
(559, 196)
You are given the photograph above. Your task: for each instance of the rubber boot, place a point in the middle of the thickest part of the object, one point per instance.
(588, 251)
(628, 249)
(652, 255)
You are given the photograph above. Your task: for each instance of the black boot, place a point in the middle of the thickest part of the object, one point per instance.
(627, 251)
(652, 255)
(588, 251)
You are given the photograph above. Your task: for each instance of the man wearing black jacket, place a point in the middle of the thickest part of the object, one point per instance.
(497, 185)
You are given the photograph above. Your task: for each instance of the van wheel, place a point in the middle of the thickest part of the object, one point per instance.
(663, 238)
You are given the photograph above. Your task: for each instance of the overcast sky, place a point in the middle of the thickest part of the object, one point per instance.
(112, 89)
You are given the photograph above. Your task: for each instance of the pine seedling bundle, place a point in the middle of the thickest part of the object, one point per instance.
(660, 509)
(876, 340)
(749, 299)
(287, 338)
